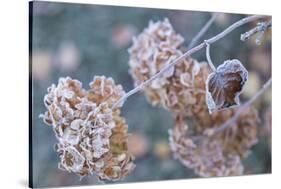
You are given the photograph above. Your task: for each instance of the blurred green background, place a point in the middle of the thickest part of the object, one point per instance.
(81, 41)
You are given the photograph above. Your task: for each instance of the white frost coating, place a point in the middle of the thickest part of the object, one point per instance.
(209, 99)
(71, 138)
(77, 160)
(98, 147)
(185, 79)
(75, 125)
(158, 83)
(195, 71)
(68, 94)
(99, 164)
(121, 157)
(234, 65)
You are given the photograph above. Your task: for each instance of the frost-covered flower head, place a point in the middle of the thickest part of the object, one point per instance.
(180, 89)
(92, 138)
(219, 155)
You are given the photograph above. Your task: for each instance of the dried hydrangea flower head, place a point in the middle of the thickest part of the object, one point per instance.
(181, 88)
(224, 86)
(92, 138)
(206, 158)
(219, 155)
(152, 50)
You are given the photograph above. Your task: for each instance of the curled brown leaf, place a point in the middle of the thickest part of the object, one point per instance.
(224, 86)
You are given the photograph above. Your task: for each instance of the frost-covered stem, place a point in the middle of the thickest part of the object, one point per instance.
(188, 53)
(261, 27)
(202, 31)
(209, 60)
(231, 121)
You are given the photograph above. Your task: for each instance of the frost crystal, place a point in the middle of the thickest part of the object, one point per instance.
(92, 137)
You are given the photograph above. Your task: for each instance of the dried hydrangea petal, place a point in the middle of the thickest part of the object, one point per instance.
(224, 86)
(103, 89)
(76, 124)
(86, 128)
(73, 159)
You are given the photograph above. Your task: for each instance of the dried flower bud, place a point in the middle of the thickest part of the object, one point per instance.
(224, 86)
(92, 137)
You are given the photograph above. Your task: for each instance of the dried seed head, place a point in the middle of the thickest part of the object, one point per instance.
(92, 137)
(224, 86)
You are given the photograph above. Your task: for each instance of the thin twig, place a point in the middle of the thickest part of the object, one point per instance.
(188, 53)
(261, 27)
(202, 31)
(231, 121)
(209, 60)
